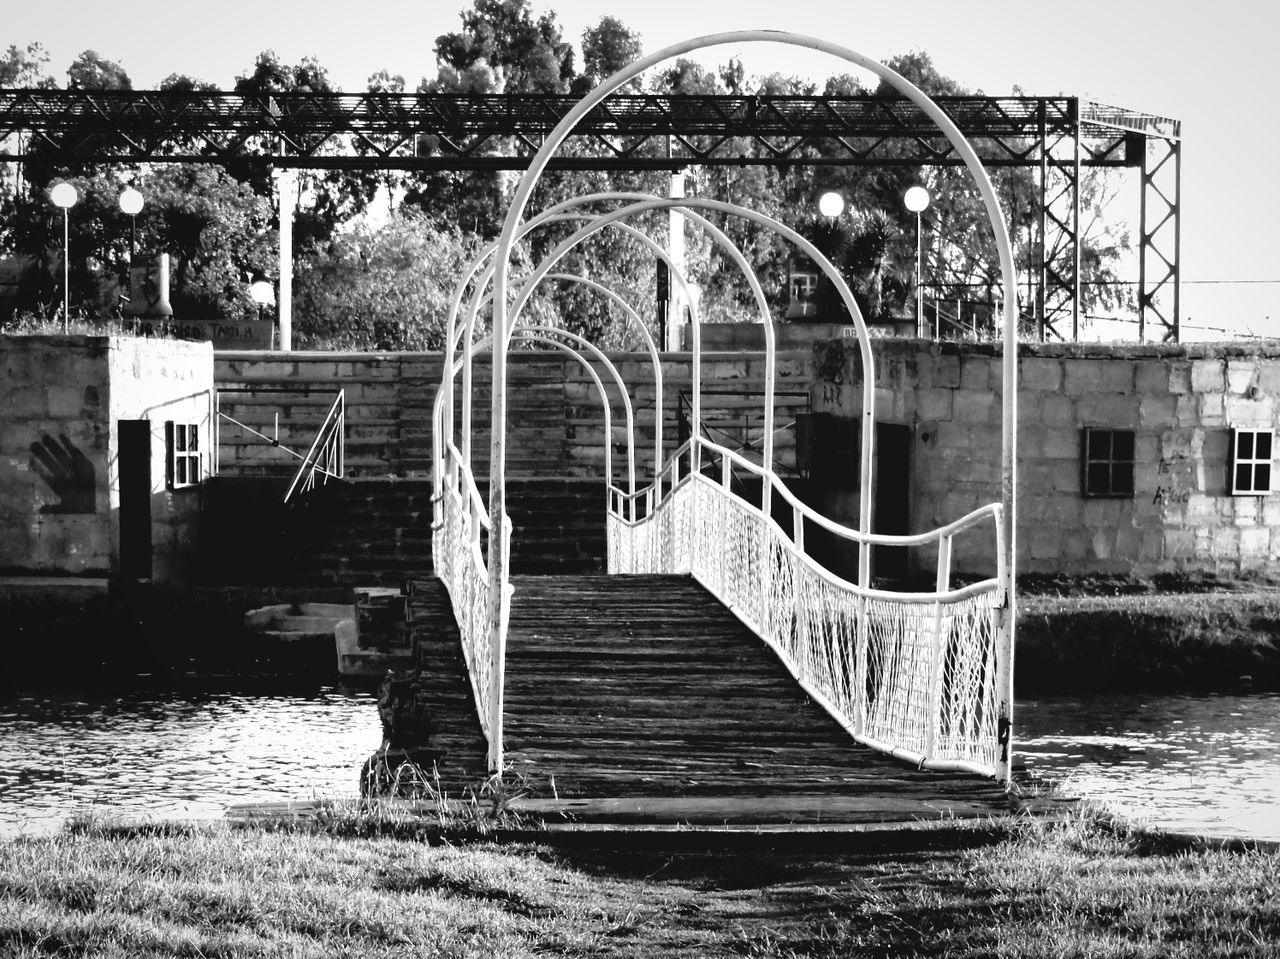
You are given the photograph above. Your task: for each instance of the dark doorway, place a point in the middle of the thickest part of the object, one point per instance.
(892, 512)
(135, 498)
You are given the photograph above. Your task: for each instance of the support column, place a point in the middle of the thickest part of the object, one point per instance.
(286, 184)
(675, 246)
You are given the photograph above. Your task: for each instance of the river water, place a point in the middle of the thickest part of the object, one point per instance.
(1207, 764)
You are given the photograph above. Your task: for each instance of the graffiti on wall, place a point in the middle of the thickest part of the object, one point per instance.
(67, 472)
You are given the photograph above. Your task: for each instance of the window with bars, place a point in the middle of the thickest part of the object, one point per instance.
(1251, 462)
(1107, 464)
(182, 443)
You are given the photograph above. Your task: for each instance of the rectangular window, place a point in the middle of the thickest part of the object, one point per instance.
(1251, 462)
(1107, 462)
(182, 443)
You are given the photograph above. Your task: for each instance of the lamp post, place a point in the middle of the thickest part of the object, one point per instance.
(831, 204)
(64, 195)
(261, 291)
(131, 204)
(916, 199)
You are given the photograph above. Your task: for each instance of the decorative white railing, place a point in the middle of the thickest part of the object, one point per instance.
(911, 674)
(459, 539)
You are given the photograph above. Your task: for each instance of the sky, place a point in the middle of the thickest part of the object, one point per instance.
(1213, 66)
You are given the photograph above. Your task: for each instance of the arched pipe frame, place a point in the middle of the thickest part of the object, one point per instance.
(503, 317)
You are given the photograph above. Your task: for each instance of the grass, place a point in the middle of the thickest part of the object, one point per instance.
(1082, 887)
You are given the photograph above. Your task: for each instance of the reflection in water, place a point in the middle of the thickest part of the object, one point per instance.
(176, 755)
(1207, 764)
(1202, 764)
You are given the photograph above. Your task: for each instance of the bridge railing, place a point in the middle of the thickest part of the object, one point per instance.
(459, 546)
(910, 673)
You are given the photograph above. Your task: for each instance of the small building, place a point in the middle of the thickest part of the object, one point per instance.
(103, 450)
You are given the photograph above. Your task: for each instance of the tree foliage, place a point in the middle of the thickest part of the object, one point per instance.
(381, 286)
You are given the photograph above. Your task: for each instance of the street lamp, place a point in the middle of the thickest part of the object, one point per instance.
(131, 204)
(916, 199)
(64, 195)
(831, 204)
(261, 291)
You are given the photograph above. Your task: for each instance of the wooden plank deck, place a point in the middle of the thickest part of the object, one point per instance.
(641, 699)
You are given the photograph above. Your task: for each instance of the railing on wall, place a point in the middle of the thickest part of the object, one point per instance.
(911, 674)
(325, 457)
(735, 419)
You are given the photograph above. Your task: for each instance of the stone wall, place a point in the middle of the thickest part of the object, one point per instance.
(1181, 402)
(63, 397)
(555, 413)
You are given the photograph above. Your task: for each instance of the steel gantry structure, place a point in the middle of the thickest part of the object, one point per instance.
(1058, 136)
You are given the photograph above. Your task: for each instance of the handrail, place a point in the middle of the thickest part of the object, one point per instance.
(981, 587)
(809, 513)
(478, 506)
(329, 443)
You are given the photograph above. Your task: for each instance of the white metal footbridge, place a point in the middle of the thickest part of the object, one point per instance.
(924, 676)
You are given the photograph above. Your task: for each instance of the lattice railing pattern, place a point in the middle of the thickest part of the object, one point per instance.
(460, 565)
(910, 674)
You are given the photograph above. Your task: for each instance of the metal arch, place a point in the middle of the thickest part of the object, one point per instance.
(613, 219)
(650, 346)
(541, 334)
(481, 298)
(498, 571)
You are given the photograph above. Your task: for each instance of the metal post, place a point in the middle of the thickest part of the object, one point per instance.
(919, 291)
(66, 272)
(286, 199)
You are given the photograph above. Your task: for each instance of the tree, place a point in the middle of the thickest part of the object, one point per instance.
(531, 54)
(23, 68)
(381, 286)
(607, 47)
(91, 71)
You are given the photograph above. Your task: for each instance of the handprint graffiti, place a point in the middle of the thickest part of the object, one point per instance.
(68, 472)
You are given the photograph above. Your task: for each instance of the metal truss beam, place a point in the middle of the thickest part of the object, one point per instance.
(1160, 238)
(387, 130)
(1059, 135)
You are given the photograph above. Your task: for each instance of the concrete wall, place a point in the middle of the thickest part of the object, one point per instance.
(1181, 402)
(59, 485)
(162, 381)
(554, 411)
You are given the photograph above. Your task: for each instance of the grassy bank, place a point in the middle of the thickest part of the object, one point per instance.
(1079, 888)
(1163, 635)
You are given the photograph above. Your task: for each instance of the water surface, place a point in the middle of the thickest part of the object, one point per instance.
(1204, 764)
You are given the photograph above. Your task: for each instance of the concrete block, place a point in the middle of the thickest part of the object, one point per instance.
(1208, 376)
(934, 404)
(975, 408)
(1061, 445)
(1241, 375)
(1152, 377)
(1157, 410)
(1225, 544)
(1242, 411)
(1082, 377)
(1179, 544)
(1246, 511)
(1269, 376)
(976, 373)
(944, 372)
(1115, 411)
(1058, 410)
(1213, 409)
(1040, 373)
